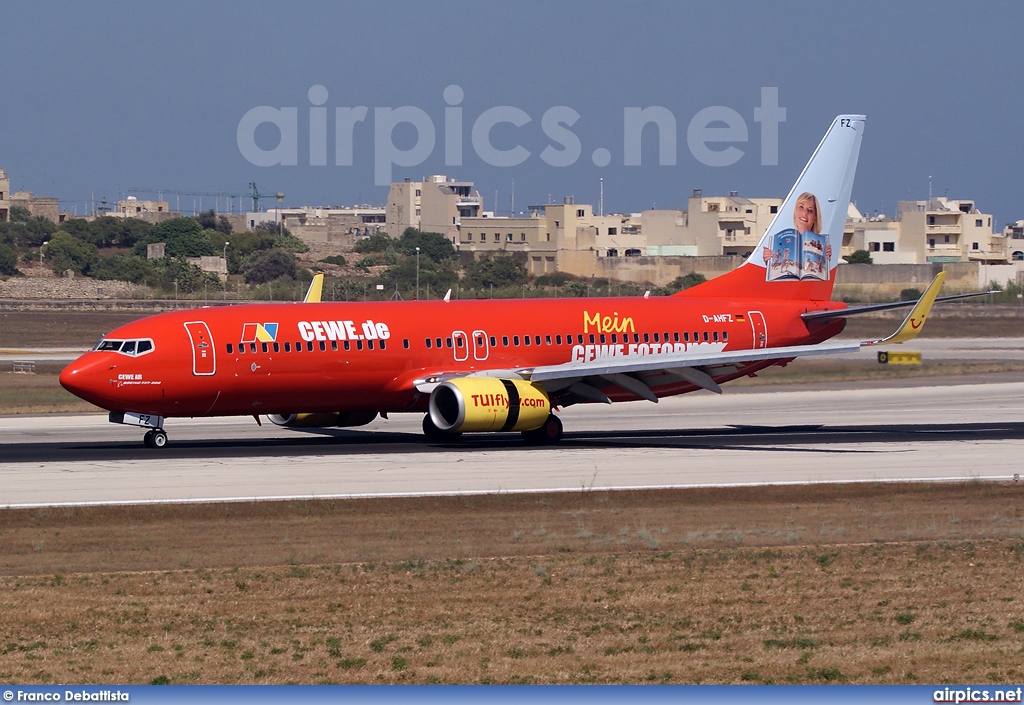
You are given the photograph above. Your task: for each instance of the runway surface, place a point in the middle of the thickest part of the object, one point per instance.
(946, 430)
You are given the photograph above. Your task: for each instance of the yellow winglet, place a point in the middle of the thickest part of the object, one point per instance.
(914, 322)
(316, 288)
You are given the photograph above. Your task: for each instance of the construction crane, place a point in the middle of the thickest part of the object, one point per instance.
(216, 194)
(256, 196)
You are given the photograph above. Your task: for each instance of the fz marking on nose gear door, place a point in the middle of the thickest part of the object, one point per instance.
(203, 360)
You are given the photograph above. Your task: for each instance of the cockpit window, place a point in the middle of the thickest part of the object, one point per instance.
(132, 348)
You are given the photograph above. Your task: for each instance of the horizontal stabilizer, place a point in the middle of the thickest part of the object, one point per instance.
(914, 322)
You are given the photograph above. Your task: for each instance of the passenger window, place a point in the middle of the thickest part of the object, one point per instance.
(298, 346)
(725, 335)
(603, 340)
(459, 341)
(405, 343)
(591, 338)
(323, 346)
(252, 348)
(494, 342)
(348, 345)
(515, 340)
(657, 338)
(615, 338)
(448, 342)
(382, 346)
(647, 337)
(536, 339)
(526, 340)
(504, 340)
(334, 346)
(686, 337)
(428, 343)
(558, 340)
(277, 347)
(369, 345)
(675, 336)
(547, 340)
(265, 347)
(287, 346)
(480, 341)
(438, 342)
(705, 336)
(716, 336)
(636, 337)
(231, 348)
(359, 345)
(309, 346)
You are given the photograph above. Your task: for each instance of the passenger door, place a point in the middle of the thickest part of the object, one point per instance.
(203, 353)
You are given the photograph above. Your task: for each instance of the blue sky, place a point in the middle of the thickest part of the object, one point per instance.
(101, 98)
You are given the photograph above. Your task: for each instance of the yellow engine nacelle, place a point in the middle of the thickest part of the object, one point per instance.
(468, 404)
(323, 419)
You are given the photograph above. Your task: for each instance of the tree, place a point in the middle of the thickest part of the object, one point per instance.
(8, 259)
(268, 265)
(378, 242)
(859, 257)
(189, 277)
(495, 271)
(184, 237)
(433, 245)
(209, 220)
(125, 268)
(66, 252)
(686, 281)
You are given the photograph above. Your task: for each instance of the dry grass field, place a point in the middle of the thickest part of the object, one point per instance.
(837, 584)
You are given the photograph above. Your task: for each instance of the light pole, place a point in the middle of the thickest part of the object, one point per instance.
(417, 274)
(41, 253)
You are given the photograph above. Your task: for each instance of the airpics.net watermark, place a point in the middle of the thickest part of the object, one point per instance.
(711, 134)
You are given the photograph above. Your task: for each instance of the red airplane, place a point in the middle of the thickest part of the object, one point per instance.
(496, 365)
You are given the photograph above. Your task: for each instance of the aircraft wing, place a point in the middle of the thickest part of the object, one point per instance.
(584, 378)
(696, 367)
(637, 374)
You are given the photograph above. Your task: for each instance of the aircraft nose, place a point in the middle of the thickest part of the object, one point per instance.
(81, 378)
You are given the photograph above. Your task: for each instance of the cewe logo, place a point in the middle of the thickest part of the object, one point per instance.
(259, 332)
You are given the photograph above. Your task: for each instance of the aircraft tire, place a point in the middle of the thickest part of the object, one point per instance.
(548, 434)
(156, 438)
(432, 432)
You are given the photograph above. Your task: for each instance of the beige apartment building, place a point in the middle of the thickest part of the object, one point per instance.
(132, 207)
(944, 230)
(569, 237)
(1013, 237)
(5, 201)
(436, 204)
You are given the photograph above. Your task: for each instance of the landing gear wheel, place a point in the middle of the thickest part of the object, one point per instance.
(548, 434)
(432, 432)
(156, 438)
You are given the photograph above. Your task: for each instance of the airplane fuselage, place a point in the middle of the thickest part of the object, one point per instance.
(331, 357)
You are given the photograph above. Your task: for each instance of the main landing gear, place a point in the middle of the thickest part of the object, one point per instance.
(157, 438)
(548, 434)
